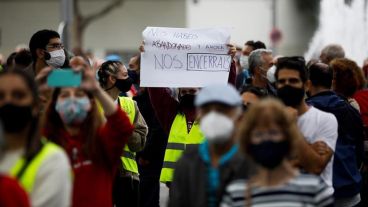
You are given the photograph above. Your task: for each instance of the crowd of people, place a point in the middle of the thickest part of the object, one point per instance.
(282, 132)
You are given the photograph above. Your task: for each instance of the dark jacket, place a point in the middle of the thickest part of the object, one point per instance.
(190, 178)
(156, 138)
(349, 146)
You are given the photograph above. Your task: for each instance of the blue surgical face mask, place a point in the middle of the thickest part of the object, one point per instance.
(73, 111)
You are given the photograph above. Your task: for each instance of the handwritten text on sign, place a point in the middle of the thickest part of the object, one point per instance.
(176, 57)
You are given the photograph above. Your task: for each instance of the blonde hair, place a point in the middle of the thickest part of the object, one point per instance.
(268, 111)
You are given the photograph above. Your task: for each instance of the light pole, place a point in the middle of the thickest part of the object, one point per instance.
(66, 23)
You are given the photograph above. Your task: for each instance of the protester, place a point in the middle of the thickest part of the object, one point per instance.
(11, 193)
(260, 61)
(349, 146)
(10, 60)
(41, 167)
(47, 50)
(178, 119)
(365, 68)
(269, 136)
(150, 159)
(73, 121)
(1, 59)
(315, 151)
(243, 76)
(114, 79)
(345, 79)
(251, 95)
(22, 59)
(331, 52)
(204, 171)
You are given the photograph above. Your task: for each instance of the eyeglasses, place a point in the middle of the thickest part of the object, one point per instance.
(55, 46)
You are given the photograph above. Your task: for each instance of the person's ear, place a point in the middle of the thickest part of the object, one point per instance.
(308, 85)
(35, 110)
(40, 53)
(111, 79)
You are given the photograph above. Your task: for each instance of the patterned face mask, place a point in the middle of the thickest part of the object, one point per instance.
(73, 111)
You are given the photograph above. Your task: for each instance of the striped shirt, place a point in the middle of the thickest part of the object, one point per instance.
(303, 190)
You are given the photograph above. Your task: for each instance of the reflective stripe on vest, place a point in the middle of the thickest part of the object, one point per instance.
(179, 140)
(128, 158)
(28, 178)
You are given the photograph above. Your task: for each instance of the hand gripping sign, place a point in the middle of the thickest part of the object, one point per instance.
(181, 57)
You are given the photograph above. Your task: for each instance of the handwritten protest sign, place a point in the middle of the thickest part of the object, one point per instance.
(181, 57)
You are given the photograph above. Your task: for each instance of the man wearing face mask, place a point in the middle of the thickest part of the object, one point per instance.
(315, 153)
(150, 159)
(349, 152)
(260, 64)
(113, 77)
(244, 75)
(47, 50)
(178, 119)
(203, 172)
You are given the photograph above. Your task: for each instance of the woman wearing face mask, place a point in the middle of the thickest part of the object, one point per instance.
(268, 135)
(11, 193)
(113, 77)
(73, 121)
(41, 167)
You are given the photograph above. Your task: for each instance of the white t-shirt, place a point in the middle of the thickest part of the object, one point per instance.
(317, 125)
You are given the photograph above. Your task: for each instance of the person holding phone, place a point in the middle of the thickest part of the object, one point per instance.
(113, 77)
(94, 147)
(41, 167)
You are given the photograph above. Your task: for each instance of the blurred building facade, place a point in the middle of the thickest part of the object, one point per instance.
(120, 31)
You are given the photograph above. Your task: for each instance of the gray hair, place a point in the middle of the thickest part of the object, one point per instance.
(332, 51)
(255, 58)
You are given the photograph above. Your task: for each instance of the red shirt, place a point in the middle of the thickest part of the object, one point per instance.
(12, 194)
(362, 98)
(94, 175)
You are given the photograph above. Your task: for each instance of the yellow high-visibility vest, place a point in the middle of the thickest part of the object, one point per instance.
(179, 140)
(128, 158)
(28, 178)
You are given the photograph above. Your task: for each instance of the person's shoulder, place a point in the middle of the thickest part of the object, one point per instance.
(323, 117)
(238, 185)
(58, 156)
(312, 183)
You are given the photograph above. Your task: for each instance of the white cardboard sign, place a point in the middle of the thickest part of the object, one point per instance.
(181, 57)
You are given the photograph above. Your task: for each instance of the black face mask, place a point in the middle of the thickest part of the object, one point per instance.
(269, 154)
(134, 76)
(15, 118)
(124, 84)
(187, 101)
(291, 96)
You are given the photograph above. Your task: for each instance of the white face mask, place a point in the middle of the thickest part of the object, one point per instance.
(217, 127)
(244, 61)
(57, 58)
(271, 74)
